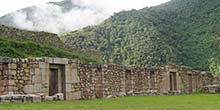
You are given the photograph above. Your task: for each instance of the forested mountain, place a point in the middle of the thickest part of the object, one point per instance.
(181, 31)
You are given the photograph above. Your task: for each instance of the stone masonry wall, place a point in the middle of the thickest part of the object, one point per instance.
(113, 80)
(3, 78)
(90, 81)
(16, 74)
(98, 81)
(87, 74)
(188, 78)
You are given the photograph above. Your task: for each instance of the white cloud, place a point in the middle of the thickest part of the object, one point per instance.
(50, 18)
(118, 5)
(7, 6)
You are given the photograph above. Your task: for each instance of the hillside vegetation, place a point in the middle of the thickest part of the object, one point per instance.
(15, 49)
(44, 38)
(184, 32)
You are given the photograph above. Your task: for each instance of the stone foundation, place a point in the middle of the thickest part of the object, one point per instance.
(214, 89)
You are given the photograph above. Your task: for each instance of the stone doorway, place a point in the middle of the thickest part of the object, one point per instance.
(173, 83)
(53, 82)
(152, 80)
(128, 81)
(56, 79)
(99, 84)
(190, 88)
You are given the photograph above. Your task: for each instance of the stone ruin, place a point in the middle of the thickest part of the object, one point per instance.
(38, 79)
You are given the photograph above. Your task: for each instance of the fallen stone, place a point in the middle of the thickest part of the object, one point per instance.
(110, 96)
(56, 97)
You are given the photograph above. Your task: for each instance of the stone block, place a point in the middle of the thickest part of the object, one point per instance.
(5, 82)
(57, 60)
(45, 76)
(1, 82)
(59, 96)
(56, 97)
(12, 66)
(6, 60)
(29, 89)
(5, 101)
(73, 95)
(68, 87)
(38, 88)
(36, 98)
(214, 89)
(42, 65)
(50, 98)
(37, 78)
(2, 89)
(173, 70)
(72, 76)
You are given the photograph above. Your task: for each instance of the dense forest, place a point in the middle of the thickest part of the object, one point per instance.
(184, 32)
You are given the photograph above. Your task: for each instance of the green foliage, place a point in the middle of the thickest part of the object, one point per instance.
(179, 31)
(215, 60)
(214, 66)
(14, 49)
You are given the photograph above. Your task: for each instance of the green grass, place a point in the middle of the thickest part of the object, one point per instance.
(182, 102)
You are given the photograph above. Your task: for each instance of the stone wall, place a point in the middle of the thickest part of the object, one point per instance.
(3, 78)
(113, 80)
(98, 81)
(188, 78)
(81, 80)
(18, 75)
(87, 74)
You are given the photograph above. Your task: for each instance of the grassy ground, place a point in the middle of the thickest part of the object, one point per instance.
(26, 49)
(183, 102)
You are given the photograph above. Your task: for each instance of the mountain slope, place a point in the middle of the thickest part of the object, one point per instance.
(23, 35)
(15, 49)
(180, 31)
(44, 38)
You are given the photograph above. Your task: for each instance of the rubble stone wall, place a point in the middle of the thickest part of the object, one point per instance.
(3, 78)
(21, 76)
(112, 80)
(87, 74)
(88, 81)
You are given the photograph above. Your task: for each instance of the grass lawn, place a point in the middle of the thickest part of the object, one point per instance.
(182, 102)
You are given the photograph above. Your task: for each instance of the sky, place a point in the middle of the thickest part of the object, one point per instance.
(7, 6)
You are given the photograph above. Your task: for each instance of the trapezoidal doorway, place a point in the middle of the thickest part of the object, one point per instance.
(57, 79)
(173, 83)
(190, 83)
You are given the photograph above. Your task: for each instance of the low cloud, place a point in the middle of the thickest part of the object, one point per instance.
(51, 17)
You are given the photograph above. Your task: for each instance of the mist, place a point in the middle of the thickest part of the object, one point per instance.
(52, 18)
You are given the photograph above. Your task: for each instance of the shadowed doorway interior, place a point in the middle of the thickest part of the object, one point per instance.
(173, 83)
(57, 79)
